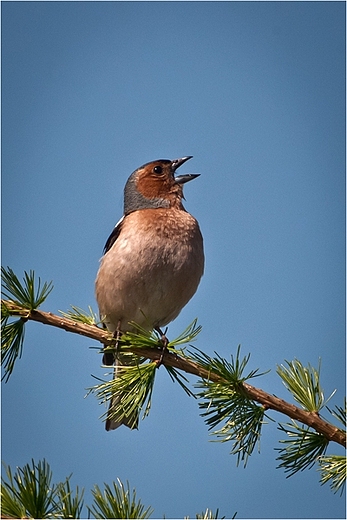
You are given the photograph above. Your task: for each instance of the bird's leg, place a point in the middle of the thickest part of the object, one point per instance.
(110, 357)
(164, 342)
(117, 334)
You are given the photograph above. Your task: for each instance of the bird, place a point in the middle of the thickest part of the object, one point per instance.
(152, 263)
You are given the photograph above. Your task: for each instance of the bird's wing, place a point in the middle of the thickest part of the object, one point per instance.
(114, 235)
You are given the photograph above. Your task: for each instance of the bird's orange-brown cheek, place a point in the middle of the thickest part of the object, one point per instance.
(153, 187)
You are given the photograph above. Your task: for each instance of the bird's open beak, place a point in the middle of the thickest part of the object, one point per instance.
(182, 179)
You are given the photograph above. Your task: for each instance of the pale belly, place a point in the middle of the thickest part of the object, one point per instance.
(148, 280)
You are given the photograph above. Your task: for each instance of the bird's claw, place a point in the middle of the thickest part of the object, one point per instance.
(164, 342)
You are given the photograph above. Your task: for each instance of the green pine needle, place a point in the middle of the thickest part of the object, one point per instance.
(132, 389)
(208, 515)
(188, 335)
(232, 371)
(28, 493)
(340, 414)
(180, 378)
(133, 386)
(152, 338)
(12, 338)
(333, 470)
(225, 403)
(241, 418)
(117, 501)
(25, 294)
(81, 316)
(5, 312)
(303, 383)
(70, 506)
(243, 429)
(301, 449)
(11, 504)
(141, 338)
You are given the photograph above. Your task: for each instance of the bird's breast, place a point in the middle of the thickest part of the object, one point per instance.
(153, 268)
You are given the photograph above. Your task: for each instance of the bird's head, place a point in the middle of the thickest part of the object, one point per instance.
(154, 185)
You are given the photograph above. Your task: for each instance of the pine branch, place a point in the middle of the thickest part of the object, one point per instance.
(180, 362)
(333, 470)
(30, 493)
(117, 501)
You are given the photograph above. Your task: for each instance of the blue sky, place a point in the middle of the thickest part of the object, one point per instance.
(255, 92)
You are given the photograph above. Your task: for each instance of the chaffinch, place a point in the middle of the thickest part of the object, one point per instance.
(153, 260)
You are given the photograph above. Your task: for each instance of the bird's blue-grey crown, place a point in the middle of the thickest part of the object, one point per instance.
(134, 200)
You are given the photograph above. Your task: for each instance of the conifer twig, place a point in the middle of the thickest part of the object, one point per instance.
(171, 359)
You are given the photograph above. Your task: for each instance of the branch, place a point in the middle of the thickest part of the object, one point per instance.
(268, 401)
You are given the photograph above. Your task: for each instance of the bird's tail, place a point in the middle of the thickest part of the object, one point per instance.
(112, 422)
(131, 422)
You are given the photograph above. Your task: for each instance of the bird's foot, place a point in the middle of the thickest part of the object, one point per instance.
(164, 342)
(110, 357)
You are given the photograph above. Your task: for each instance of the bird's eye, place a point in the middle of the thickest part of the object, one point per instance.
(158, 169)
